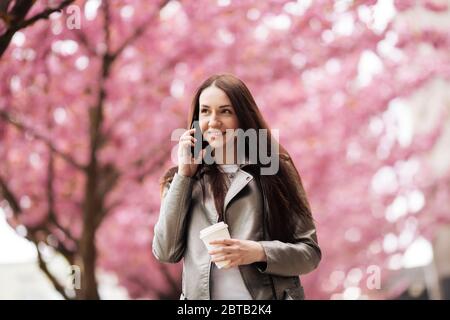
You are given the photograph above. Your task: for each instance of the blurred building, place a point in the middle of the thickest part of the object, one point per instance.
(25, 281)
(442, 260)
(431, 280)
(22, 279)
(428, 282)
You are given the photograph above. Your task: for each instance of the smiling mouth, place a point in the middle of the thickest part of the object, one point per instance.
(215, 134)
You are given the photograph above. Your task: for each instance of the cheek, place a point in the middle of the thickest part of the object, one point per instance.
(232, 123)
(203, 124)
(236, 121)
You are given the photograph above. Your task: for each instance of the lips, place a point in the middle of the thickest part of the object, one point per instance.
(215, 133)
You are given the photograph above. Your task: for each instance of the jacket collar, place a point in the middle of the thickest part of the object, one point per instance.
(239, 182)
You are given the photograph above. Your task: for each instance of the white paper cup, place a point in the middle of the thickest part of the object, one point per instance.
(215, 232)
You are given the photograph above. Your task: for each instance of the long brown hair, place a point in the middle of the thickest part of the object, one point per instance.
(286, 199)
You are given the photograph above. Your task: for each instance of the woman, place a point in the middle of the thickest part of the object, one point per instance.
(273, 238)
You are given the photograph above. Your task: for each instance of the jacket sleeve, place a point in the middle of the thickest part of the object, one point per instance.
(170, 229)
(299, 257)
(292, 259)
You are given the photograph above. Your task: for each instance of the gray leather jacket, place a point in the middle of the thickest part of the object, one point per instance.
(184, 212)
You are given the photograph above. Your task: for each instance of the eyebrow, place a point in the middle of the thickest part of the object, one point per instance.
(226, 105)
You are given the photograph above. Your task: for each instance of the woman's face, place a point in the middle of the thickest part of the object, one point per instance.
(216, 115)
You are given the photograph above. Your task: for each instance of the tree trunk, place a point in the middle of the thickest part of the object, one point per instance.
(88, 253)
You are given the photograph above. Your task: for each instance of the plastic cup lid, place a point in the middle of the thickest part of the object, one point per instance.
(211, 229)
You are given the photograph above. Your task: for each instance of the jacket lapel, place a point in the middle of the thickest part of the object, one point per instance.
(241, 179)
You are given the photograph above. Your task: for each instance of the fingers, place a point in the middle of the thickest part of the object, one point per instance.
(188, 141)
(188, 138)
(185, 151)
(231, 264)
(224, 250)
(233, 260)
(224, 242)
(218, 258)
(227, 246)
(229, 251)
(188, 133)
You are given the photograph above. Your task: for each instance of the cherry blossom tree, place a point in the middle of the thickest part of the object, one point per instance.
(19, 14)
(87, 115)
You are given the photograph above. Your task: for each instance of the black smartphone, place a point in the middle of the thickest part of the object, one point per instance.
(201, 143)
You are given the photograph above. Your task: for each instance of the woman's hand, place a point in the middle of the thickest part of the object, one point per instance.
(238, 252)
(187, 165)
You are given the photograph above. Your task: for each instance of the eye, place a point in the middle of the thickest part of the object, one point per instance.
(227, 111)
(203, 110)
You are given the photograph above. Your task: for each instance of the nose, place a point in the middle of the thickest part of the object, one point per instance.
(214, 121)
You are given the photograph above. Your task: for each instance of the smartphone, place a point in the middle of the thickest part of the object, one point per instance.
(201, 143)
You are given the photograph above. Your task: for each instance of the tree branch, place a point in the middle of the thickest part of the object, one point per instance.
(4, 7)
(138, 31)
(108, 177)
(20, 10)
(60, 247)
(112, 206)
(136, 34)
(54, 281)
(51, 205)
(31, 236)
(14, 204)
(15, 19)
(43, 15)
(84, 40)
(9, 196)
(155, 164)
(67, 233)
(8, 118)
